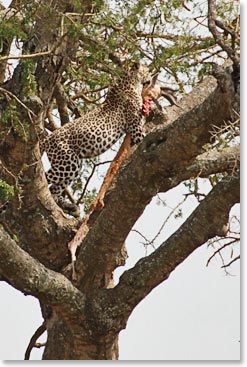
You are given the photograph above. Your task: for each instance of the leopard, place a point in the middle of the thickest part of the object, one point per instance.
(96, 131)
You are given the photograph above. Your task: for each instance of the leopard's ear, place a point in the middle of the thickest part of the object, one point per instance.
(136, 65)
(131, 66)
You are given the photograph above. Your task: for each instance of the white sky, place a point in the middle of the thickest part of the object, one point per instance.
(194, 315)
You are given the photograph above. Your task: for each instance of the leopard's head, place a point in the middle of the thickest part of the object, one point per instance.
(141, 72)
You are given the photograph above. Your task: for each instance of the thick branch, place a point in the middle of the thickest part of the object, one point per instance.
(161, 154)
(211, 162)
(227, 160)
(31, 277)
(207, 221)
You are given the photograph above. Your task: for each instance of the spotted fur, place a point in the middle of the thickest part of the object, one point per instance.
(96, 131)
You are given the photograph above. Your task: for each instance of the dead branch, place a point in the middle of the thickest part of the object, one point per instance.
(231, 262)
(222, 248)
(41, 329)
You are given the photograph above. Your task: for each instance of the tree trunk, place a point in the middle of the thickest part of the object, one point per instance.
(76, 342)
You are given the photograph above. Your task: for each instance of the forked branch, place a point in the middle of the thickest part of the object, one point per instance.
(204, 223)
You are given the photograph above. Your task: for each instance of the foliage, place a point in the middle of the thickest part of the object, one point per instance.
(89, 198)
(11, 116)
(6, 191)
(29, 83)
(10, 29)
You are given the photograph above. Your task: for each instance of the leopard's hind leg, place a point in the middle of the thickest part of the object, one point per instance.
(64, 169)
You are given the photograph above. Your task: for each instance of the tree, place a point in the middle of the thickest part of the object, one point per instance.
(67, 52)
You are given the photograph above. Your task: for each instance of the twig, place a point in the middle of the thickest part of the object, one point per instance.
(221, 248)
(147, 241)
(185, 6)
(5, 91)
(30, 56)
(89, 178)
(231, 262)
(96, 90)
(199, 22)
(112, 26)
(151, 242)
(39, 345)
(211, 54)
(86, 99)
(167, 219)
(41, 329)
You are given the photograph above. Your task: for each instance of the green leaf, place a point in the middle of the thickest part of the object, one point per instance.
(6, 191)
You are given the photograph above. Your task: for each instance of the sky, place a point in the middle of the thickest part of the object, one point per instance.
(194, 315)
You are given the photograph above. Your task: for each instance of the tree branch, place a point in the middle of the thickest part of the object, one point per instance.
(24, 57)
(41, 329)
(37, 280)
(227, 160)
(212, 25)
(162, 153)
(61, 100)
(212, 162)
(231, 262)
(12, 95)
(205, 222)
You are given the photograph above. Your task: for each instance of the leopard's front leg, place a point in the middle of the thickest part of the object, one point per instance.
(136, 131)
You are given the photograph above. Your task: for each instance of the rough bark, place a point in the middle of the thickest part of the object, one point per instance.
(35, 279)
